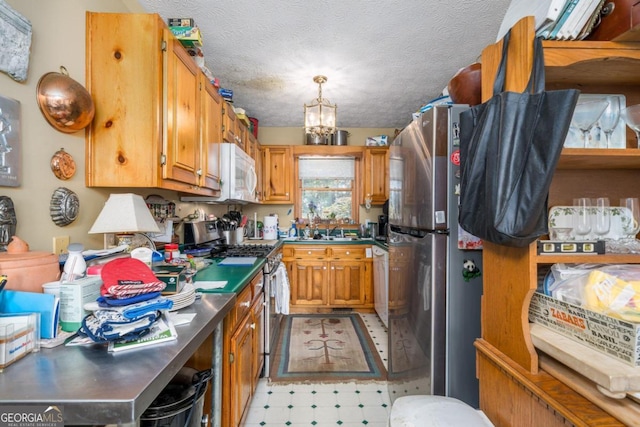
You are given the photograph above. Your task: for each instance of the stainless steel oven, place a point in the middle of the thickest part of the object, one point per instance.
(273, 316)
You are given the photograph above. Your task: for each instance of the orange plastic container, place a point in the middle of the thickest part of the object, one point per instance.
(28, 271)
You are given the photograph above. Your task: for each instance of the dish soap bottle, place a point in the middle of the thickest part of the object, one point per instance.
(293, 231)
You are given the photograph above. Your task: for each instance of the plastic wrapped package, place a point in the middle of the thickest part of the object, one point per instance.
(610, 289)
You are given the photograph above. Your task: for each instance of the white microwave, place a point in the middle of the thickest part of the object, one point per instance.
(238, 176)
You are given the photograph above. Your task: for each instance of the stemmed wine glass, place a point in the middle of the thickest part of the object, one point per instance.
(582, 217)
(633, 226)
(602, 220)
(610, 117)
(631, 116)
(585, 115)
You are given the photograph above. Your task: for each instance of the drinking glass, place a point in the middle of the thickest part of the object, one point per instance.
(585, 115)
(631, 116)
(610, 117)
(602, 220)
(581, 217)
(631, 227)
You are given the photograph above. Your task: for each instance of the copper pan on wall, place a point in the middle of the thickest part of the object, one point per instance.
(65, 103)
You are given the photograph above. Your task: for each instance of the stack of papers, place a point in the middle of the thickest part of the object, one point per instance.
(555, 19)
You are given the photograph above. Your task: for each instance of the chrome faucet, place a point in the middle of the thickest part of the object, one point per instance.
(328, 232)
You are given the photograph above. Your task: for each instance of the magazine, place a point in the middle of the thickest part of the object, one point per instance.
(161, 331)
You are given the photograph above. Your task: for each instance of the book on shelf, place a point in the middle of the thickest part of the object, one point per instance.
(161, 331)
(545, 13)
(592, 20)
(576, 21)
(568, 9)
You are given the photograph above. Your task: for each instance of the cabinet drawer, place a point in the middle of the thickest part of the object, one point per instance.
(257, 285)
(243, 304)
(349, 252)
(309, 252)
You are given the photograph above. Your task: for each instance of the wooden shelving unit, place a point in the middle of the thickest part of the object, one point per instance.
(507, 358)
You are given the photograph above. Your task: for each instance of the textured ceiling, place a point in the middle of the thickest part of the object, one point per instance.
(383, 58)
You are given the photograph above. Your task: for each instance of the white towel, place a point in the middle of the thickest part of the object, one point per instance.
(282, 290)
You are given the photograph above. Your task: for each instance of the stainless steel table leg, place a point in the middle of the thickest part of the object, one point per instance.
(216, 398)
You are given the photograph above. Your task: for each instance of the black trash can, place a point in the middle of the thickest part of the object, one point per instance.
(181, 402)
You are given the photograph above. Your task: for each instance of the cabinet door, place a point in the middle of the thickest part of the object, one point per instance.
(241, 134)
(229, 124)
(258, 159)
(258, 320)
(182, 151)
(376, 175)
(348, 283)
(124, 143)
(211, 135)
(241, 346)
(309, 281)
(277, 169)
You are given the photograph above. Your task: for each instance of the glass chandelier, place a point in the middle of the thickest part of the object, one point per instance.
(320, 115)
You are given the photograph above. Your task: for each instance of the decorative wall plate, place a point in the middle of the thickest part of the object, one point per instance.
(64, 206)
(62, 165)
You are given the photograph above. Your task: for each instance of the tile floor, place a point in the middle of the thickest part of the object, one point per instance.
(319, 405)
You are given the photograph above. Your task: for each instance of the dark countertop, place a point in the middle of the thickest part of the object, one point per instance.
(358, 241)
(98, 387)
(236, 276)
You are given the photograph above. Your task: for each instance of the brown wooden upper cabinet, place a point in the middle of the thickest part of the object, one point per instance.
(229, 124)
(376, 175)
(277, 178)
(149, 129)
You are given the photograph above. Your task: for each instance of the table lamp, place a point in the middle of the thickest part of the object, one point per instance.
(124, 215)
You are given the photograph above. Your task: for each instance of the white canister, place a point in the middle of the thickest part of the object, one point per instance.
(240, 235)
(270, 230)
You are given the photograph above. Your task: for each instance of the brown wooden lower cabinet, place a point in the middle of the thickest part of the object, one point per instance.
(513, 397)
(329, 276)
(242, 356)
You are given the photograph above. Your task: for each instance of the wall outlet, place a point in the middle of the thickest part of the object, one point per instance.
(60, 244)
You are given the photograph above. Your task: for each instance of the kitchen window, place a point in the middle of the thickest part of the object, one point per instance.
(327, 189)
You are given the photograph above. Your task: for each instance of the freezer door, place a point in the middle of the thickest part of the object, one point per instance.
(418, 173)
(417, 307)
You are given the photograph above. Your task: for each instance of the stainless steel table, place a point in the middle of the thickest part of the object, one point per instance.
(98, 387)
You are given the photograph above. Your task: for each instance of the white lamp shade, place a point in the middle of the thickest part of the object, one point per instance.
(124, 213)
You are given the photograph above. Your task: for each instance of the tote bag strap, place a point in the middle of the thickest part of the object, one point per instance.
(536, 79)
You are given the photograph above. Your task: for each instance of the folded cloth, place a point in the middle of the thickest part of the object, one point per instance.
(127, 290)
(106, 301)
(128, 312)
(109, 326)
(128, 277)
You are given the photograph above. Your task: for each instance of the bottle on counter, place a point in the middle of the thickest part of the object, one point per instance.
(75, 266)
(171, 252)
(293, 231)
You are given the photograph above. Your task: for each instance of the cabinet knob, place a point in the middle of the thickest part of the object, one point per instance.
(309, 253)
(348, 252)
(244, 304)
(324, 268)
(333, 268)
(199, 172)
(252, 326)
(286, 194)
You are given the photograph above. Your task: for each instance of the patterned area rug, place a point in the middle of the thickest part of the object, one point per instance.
(325, 348)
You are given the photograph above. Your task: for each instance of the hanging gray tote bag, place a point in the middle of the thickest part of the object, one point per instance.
(509, 149)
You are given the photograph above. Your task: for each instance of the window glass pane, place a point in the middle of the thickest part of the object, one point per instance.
(327, 204)
(326, 188)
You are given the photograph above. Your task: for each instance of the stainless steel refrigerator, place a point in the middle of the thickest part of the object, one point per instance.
(434, 286)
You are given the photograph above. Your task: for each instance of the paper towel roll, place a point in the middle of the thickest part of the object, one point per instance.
(270, 229)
